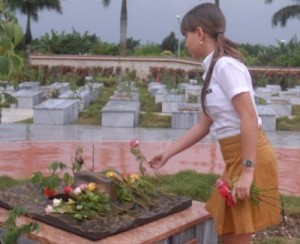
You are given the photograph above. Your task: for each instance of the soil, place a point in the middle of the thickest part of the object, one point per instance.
(289, 229)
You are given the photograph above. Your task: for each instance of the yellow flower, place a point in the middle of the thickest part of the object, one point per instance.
(91, 186)
(110, 174)
(133, 178)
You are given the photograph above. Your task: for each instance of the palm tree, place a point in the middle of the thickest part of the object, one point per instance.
(30, 8)
(285, 13)
(123, 25)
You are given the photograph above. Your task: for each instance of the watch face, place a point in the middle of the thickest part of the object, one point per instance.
(248, 163)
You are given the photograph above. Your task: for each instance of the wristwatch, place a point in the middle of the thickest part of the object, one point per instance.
(248, 163)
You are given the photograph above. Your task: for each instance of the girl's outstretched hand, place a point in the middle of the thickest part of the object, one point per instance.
(158, 161)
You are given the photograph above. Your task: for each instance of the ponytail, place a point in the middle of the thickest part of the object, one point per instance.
(224, 47)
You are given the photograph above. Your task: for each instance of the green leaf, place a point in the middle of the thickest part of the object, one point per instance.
(53, 182)
(56, 165)
(68, 179)
(9, 30)
(37, 178)
(6, 43)
(16, 62)
(1, 6)
(4, 65)
(18, 34)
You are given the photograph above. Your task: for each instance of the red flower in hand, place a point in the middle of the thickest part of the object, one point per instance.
(229, 200)
(48, 192)
(225, 192)
(68, 190)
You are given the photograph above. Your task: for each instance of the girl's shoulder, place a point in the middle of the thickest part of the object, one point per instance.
(227, 62)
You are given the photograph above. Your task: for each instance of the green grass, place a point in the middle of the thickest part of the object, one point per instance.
(92, 115)
(154, 120)
(288, 124)
(295, 109)
(6, 181)
(188, 183)
(149, 116)
(26, 121)
(148, 101)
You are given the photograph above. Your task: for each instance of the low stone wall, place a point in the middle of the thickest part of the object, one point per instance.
(140, 64)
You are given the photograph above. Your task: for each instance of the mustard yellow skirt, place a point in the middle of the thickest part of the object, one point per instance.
(247, 216)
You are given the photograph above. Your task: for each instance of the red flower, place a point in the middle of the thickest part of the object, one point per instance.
(225, 192)
(68, 190)
(134, 143)
(229, 200)
(48, 192)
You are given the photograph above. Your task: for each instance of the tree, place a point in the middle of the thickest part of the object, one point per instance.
(30, 8)
(170, 43)
(123, 25)
(10, 62)
(285, 13)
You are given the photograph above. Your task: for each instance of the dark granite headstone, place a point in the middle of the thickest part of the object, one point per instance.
(100, 226)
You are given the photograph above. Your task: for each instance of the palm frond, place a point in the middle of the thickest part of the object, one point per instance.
(283, 15)
(106, 3)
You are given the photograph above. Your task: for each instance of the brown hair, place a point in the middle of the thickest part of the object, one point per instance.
(212, 21)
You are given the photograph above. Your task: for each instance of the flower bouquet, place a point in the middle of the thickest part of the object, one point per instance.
(83, 202)
(86, 200)
(257, 194)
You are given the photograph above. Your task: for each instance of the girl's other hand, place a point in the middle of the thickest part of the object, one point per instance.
(241, 189)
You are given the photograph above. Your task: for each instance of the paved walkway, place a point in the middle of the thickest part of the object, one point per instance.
(29, 148)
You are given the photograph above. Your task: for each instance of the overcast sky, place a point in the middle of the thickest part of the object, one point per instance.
(248, 21)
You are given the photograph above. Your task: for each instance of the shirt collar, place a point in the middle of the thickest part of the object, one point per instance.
(206, 63)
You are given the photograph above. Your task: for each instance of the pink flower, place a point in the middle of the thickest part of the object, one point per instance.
(77, 190)
(83, 186)
(49, 209)
(68, 190)
(134, 143)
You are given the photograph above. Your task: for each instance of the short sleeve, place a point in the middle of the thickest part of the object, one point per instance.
(233, 78)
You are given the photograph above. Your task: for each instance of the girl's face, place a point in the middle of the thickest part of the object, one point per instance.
(192, 43)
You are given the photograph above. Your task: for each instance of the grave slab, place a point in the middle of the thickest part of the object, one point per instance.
(118, 113)
(56, 112)
(28, 98)
(29, 85)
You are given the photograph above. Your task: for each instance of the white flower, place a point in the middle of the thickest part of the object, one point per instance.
(56, 202)
(49, 209)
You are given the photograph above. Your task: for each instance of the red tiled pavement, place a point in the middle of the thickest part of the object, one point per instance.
(21, 159)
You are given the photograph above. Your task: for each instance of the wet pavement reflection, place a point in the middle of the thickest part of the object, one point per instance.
(21, 155)
(21, 159)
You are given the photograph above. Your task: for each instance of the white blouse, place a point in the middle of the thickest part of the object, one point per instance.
(230, 77)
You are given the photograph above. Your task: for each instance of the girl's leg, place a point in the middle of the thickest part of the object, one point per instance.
(236, 239)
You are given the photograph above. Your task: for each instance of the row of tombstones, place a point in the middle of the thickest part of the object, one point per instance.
(56, 103)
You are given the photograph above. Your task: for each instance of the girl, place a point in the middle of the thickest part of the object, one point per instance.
(228, 110)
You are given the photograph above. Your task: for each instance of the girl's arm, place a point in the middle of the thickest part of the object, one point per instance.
(249, 133)
(192, 136)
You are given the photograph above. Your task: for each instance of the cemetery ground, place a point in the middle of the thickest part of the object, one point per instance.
(187, 183)
(288, 232)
